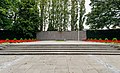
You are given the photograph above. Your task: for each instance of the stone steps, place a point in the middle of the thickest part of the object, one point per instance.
(57, 46)
(18, 45)
(59, 49)
(59, 53)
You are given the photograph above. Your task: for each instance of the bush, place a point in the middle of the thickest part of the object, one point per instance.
(114, 39)
(21, 38)
(95, 39)
(7, 39)
(91, 39)
(100, 39)
(14, 39)
(106, 39)
(25, 39)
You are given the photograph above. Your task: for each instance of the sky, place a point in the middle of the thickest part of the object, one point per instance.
(87, 6)
(88, 9)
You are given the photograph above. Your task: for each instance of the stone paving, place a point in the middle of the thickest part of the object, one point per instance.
(59, 63)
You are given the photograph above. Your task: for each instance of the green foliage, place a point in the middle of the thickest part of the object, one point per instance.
(33, 39)
(58, 15)
(114, 39)
(5, 14)
(105, 13)
(95, 38)
(28, 20)
(100, 39)
(25, 39)
(19, 15)
(7, 39)
(29, 16)
(21, 38)
(106, 39)
(14, 39)
(74, 15)
(88, 39)
(91, 39)
(82, 17)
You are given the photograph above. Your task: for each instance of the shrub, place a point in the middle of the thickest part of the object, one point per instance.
(21, 38)
(25, 39)
(7, 39)
(14, 39)
(88, 39)
(91, 39)
(106, 39)
(35, 39)
(100, 39)
(114, 39)
(95, 39)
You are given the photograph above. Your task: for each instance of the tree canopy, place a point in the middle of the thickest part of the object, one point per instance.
(105, 13)
(5, 14)
(26, 16)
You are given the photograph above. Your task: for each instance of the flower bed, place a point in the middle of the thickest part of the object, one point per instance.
(16, 41)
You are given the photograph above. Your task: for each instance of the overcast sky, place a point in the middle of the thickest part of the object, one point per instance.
(88, 9)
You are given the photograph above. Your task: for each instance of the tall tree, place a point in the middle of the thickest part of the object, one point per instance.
(43, 15)
(74, 15)
(82, 14)
(5, 17)
(58, 15)
(65, 15)
(32, 15)
(52, 6)
(105, 13)
(28, 17)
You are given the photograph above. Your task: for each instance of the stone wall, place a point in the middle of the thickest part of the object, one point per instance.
(65, 35)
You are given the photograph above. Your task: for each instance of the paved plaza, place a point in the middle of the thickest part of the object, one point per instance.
(59, 63)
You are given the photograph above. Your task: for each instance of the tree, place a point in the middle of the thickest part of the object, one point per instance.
(63, 15)
(58, 15)
(43, 13)
(82, 14)
(27, 20)
(27, 16)
(105, 13)
(74, 15)
(52, 15)
(5, 17)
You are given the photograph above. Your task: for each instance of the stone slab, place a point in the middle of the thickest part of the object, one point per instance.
(61, 64)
